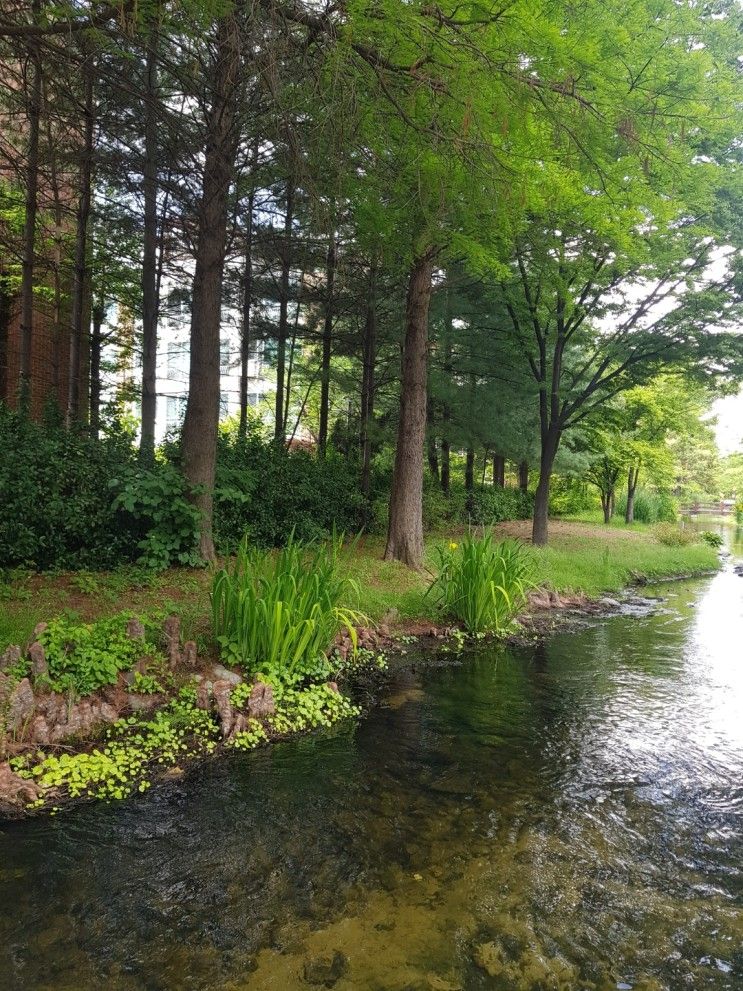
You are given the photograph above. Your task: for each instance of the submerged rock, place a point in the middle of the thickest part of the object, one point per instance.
(326, 970)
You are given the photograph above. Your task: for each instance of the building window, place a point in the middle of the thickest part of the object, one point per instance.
(254, 398)
(224, 405)
(177, 356)
(175, 409)
(225, 357)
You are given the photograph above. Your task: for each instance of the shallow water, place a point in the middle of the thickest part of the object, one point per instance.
(564, 817)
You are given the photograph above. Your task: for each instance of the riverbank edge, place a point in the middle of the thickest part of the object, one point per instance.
(408, 643)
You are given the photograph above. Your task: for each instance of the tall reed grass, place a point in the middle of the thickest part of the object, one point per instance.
(482, 583)
(279, 613)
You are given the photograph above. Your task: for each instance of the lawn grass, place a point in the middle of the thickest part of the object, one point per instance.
(582, 557)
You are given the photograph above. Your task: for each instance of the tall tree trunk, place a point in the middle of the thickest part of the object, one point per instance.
(369, 357)
(81, 270)
(445, 466)
(540, 524)
(606, 505)
(499, 471)
(202, 411)
(247, 300)
(149, 256)
(96, 348)
(281, 402)
(327, 341)
(25, 383)
(469, 477)
(632, 477)
(4, 335)
(405, 531)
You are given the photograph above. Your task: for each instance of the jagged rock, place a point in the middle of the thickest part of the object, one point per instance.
(221, 692)
(261, 701)
(189, 654)
(239, 725)
(56, 721)
(326, 970)
(37, 656)
(135, 629)
(17, 703)
(172, 633)
(203, 695)
(223, 674)
(10, 657)
(15, 792)
(142, 703)
(39, 629)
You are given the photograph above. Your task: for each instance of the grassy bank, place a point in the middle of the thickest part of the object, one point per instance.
(582, 557)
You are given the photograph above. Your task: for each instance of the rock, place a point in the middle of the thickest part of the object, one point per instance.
(223, 674)
(326, 970)
(15, 792)
(17, 703)
(189, 654)
(37, 656)
(135, 629)
(10, 657)
(55, 721)
(239, 725)
(172, 634)
(221, 692)
(261, 701)
(39, 629)
(333, 686)
(609, 603)
(203, 695)
(142, 703)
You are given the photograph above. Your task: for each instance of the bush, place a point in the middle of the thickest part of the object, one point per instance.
(280, 613)
(650, 507)
(57, 507)
(490, 506)
(571, 496)
(481, 583)
(674, 536)
(712, 538)
(268, 492)
(739, 513)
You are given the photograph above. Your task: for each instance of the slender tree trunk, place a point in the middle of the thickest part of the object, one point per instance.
(81, 270)
(149, 257)
(327, 341)
(280, 417)
(405, 532)
(247, 300)
(632, 477)
(540, 524)
(4, 335)
(469, 469)
(523, 473)
(499, 471)
(606, 506)
(202, 411)
(369, 357)
(96, 348)
(25, 383)
(445, 466)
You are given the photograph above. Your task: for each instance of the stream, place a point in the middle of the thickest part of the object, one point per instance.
(565, 816)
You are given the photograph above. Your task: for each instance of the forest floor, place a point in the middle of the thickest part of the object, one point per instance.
(582, 558)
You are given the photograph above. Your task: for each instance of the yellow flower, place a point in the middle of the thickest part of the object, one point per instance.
(452, 545)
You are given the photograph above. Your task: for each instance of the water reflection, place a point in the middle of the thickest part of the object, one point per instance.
(561, 818)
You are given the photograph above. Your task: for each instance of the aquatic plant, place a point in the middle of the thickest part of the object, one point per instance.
(482, 583)
(121, 765)
(279, 613)
(711, 538)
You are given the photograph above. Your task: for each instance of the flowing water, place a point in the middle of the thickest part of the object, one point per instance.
(562, 817)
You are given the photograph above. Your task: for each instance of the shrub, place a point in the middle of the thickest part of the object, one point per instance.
(571, 496)
(650, 507)
(279, 613)
(481, 583)
(739, 513)
(674, 536)
(711, 538)
(156, 511)
(57, 508)
(268, 492)
(490, 506)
